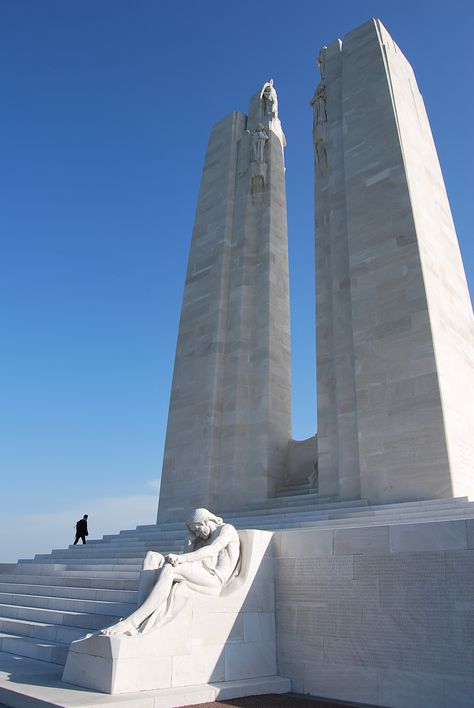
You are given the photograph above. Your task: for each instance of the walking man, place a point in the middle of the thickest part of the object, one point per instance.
(81, 529)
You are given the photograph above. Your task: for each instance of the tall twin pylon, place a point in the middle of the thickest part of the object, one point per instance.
(394, 319)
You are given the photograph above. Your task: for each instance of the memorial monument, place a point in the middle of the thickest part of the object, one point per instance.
(394, 318)
(358, 588)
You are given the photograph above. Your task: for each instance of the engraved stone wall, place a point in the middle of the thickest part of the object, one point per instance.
(381, 615)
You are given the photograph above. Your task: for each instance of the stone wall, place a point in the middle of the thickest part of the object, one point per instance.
(381, 615)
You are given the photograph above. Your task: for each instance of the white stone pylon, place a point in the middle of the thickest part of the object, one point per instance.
(394, 320)
(230, 410)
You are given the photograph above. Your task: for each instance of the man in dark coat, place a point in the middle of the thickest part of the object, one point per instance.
(81, 529)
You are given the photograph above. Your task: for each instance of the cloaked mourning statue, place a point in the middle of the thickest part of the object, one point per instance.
(269, 96)
(210, 561)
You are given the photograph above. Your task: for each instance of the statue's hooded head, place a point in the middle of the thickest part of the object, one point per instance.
(267, 89)
(201, 523)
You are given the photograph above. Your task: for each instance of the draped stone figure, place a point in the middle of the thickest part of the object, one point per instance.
(321, 157)
(321, 61)
(211, 559)
(319, 105)
(270, 98)
(259, 138)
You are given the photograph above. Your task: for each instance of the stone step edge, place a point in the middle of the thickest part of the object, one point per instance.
(40, 625)
(53, 585)
(69, 613)
(32, 640)
(93, 603)
(37, 587)
(54, 693)
(26, 579)
(49, 569)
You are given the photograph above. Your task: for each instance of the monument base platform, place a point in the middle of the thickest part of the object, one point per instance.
(28, 683)
(373, 605)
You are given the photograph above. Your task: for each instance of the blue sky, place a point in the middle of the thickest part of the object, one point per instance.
(106, 111)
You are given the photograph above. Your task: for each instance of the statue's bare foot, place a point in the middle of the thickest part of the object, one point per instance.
(126, 626)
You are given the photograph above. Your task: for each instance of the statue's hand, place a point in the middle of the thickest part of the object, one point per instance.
(173, 559)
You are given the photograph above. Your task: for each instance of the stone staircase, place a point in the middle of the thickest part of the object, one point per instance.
(48, 601)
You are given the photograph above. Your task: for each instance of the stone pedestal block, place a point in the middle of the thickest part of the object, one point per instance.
(212, 639)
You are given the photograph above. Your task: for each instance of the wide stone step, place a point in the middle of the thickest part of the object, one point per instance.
(90, 622)
(102, 546)
(316, 502)
(96, 552)
(313, 498)
(295, 490)
(97, 594)
(119, 548)
(44, 567)
(41, 630)
(69, 604)
(72, 579)
(348, 524)
(386, 508)
(41, 650)
(145, 537)
(293, 501)
(92, 559)
(128, 548)
(64, 571)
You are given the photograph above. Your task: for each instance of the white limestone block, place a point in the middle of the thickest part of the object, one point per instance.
(364, 540)
(259, 626)
(205, 665)
(249, 660)
(217, 628)
(305, 543)
(435, 536)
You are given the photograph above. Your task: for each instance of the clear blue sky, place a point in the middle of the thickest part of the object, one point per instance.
(106, 112)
